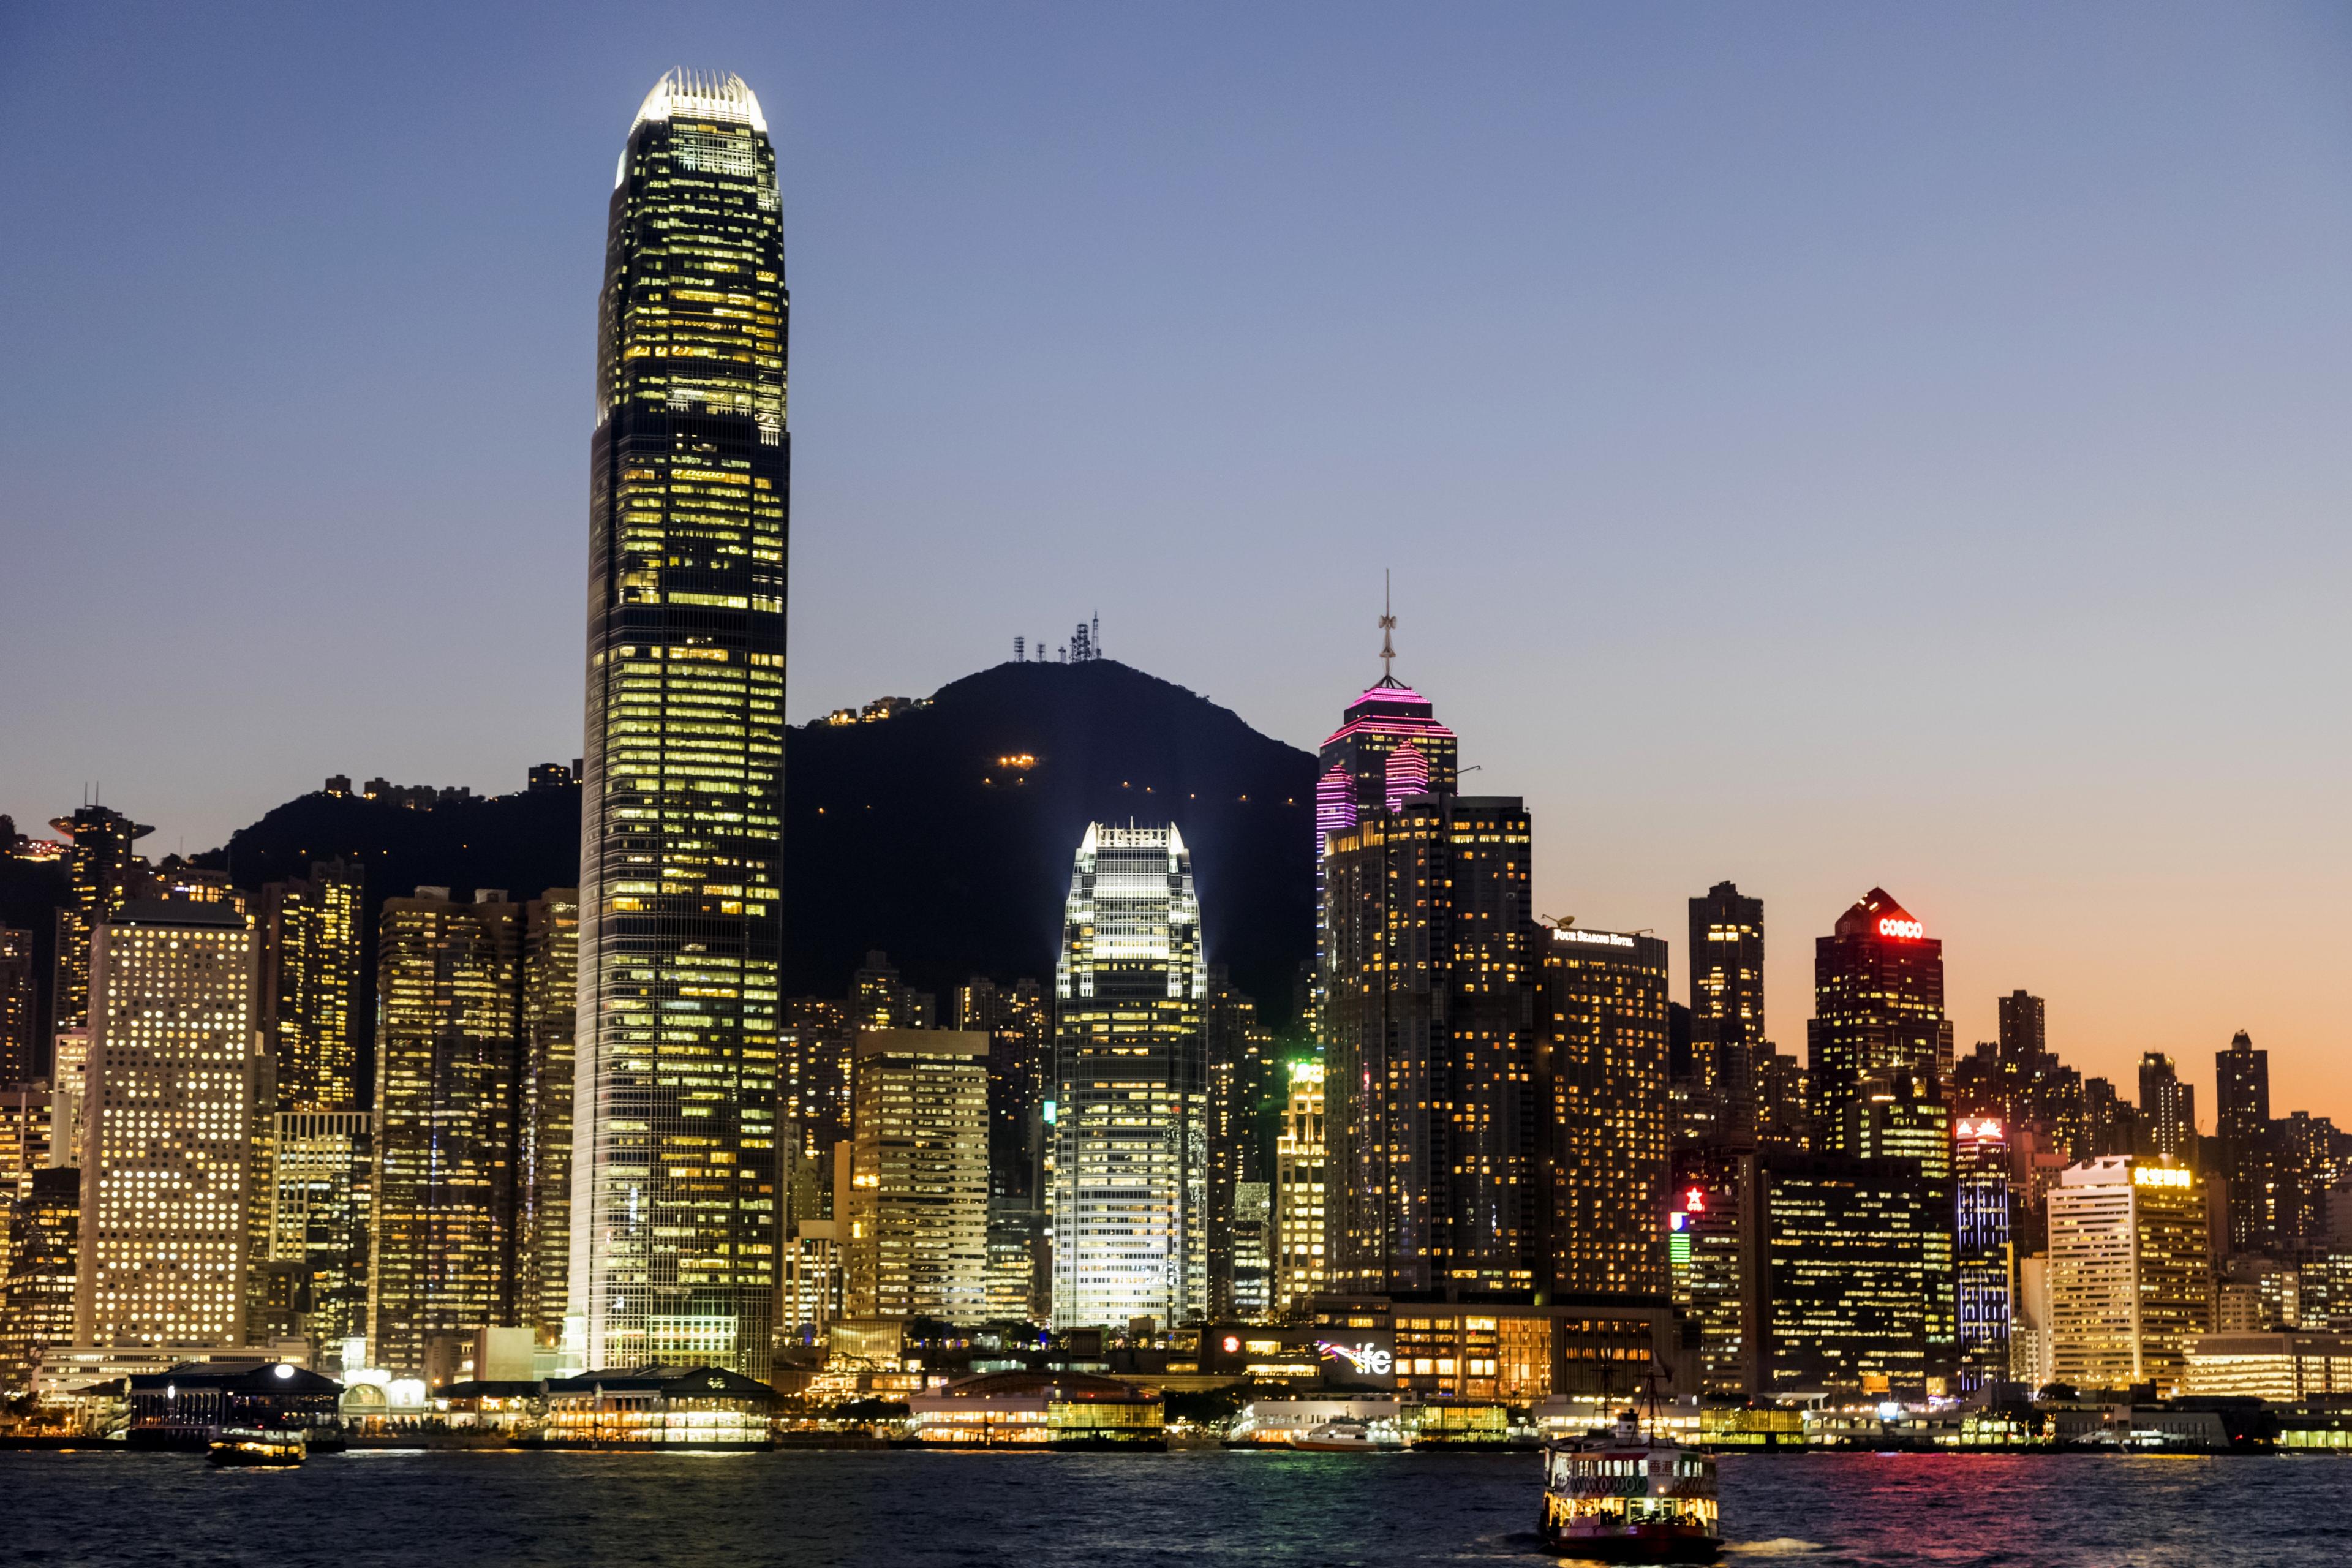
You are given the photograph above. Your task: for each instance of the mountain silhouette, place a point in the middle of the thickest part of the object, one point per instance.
(915, 833)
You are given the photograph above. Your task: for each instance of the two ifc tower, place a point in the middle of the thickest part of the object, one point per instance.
(674, 1193)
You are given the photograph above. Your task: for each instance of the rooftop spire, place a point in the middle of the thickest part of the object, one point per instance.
(1388, 624)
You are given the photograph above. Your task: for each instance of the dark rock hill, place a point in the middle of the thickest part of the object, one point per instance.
(910, 833)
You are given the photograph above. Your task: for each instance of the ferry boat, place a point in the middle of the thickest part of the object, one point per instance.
(1345, 1434)
(1621, 1496)
(252, 1445)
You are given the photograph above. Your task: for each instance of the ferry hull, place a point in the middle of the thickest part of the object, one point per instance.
(1633, 1543)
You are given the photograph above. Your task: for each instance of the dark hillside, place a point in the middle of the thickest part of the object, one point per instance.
(908, 833)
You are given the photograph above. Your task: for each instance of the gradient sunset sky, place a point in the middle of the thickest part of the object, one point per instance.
(1817, 446)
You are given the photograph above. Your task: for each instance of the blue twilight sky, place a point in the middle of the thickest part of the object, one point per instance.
(1817, 445)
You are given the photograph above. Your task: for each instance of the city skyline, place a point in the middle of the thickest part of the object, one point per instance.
(2063, 765)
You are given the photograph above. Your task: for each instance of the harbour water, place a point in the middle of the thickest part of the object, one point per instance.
(903, 1510)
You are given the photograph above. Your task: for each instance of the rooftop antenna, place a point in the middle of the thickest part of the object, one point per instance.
(1388, 624)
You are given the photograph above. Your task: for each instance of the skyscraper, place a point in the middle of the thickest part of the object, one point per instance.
(1431, 976)
(1727, 1001)
(19, 1031)
(2130, 1274)
(37, 1287)
(1238, 1054)
(320, 1198)
(1982, 1248)
(1842, 1288)
(1389, 745)
(915, 1241)
(1878, 1004)
(1300, 1199)
(102, 874)
(551, 1001)
(1131, 1156)
(1602, 1063)
(442, 1245)
(310, 934)
(2168, 1108)
(675, 1201)
(2241, 1117)
(166, 1178)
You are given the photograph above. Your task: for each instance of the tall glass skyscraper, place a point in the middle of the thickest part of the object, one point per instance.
(674, 1195)
(1130, 1125)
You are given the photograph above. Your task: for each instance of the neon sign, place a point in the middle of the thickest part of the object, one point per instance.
(1890, 926)
(2157, 1176)
(1695, 1200)
(1368, 1359)
(1232, 1343)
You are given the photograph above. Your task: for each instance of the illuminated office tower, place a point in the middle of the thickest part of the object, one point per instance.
(550, 1000)
(174, 1066)
(1253, 1279)
(1238, 1052)
(1706, 1257)
(319, 1203)
(1878, 1006)
(915, 1243)
(310, 934)
(2130, 1273)
(102, 874)
(26, 1123)
(1602, 1064)
(675, 1201)
(442, 1243)
(1431, 970)
(1840, 1291)
(1983, 1257)
(816, 1050)
(1300, 1209)
(2241, 1119)
(36, 1285)
(1726, 1002)
(1130, 1192)
(878, 1001)
(2168, 1108)
(1019, 1027)
(1389, 745)
(19, 1033)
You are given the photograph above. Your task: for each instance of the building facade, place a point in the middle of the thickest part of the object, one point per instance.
(551, 1001)
(442, 1239)
(37, 1287)
(103, 872)
(916, 1231)
(20, 1031)
(310, 935)
(674, 1203)
(2130, 1273)
(176, 1064)
(1984, 1256)
(1301, 1207)
(1878, 1006)
(1602, 1066)
(1129, 1195)
(321, 1207)
(2242, 1113)
(1841, 1292)
(1726, 1002)
(1431, 982)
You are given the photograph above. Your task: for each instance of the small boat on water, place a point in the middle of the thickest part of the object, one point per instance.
(1345, 1434)
(1621, 1496)
(254, 1446)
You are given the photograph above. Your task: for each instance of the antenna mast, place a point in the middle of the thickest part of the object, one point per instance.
(1388, 624)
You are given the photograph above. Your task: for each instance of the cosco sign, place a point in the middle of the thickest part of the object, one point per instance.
(1901, 928)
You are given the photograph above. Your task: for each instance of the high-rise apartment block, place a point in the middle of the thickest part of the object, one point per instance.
(310, 936)
(676, 1197)
(1129, 1195)
(2130, 1273)
(28, 1122)
(1429, 974)
(442, 1243)
(1878, 1006)
(1301, 1205)
(1727, 1001)
(915, 1219)
(1601, 1067)
(175, 1064)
